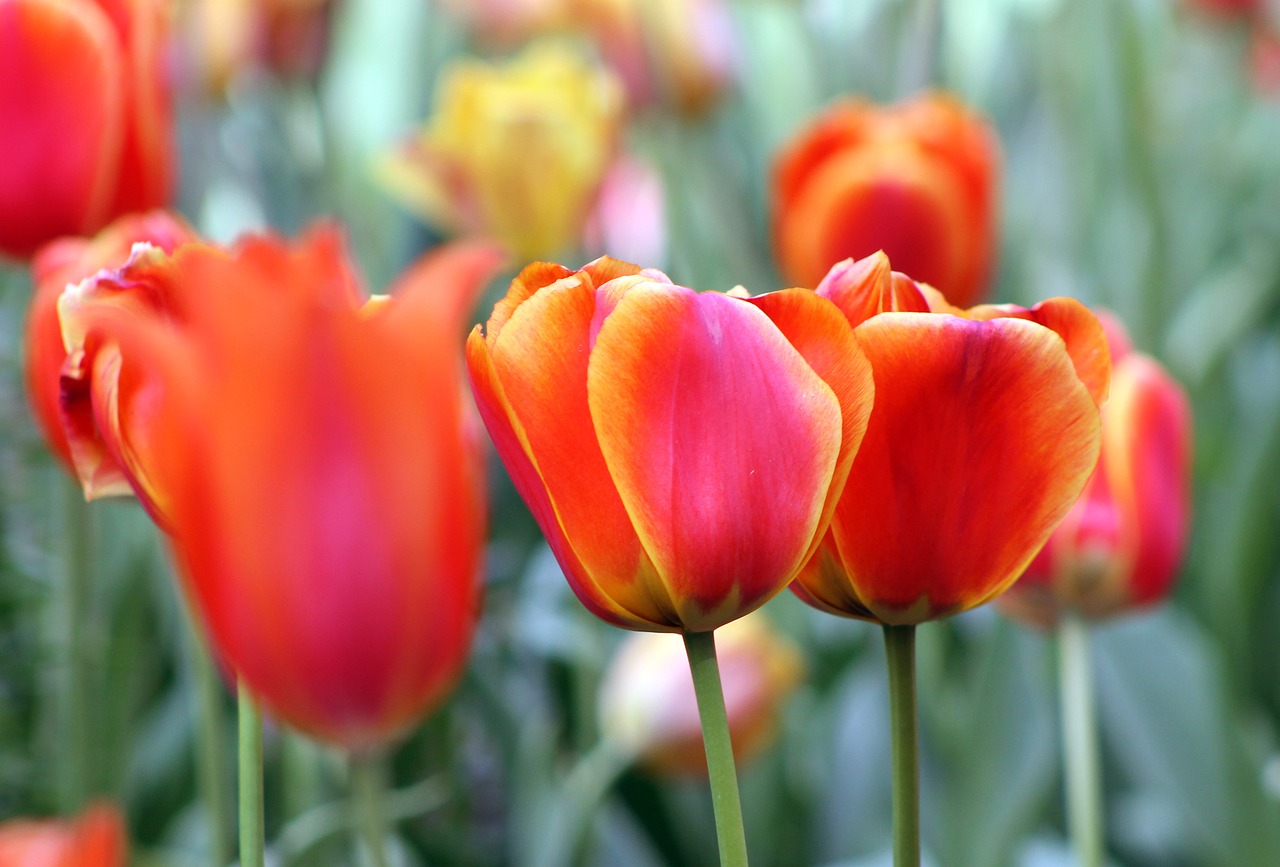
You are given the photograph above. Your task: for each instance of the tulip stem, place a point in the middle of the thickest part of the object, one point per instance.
(900, 651)
(252, 834)
(730, 834)
(583, 790)
(77, 529)
(1080, 742)
(367, 787)
(211, 756)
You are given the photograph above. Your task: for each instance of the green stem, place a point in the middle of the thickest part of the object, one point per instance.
(252, 835)
(211, 758)
(583, 790)
(923, 51)
(900, 650)
(1080, 742)
(730, 834)
(367, 788)
(77, 529)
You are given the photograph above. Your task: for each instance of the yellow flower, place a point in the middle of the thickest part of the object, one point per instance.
(515, 151)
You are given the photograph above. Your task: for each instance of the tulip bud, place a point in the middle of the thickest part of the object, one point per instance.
(1121, 545)
(648, 708)
(95, 839)
(916, 180)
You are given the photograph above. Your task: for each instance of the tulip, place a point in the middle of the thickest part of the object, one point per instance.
(311, 457)
(681, 452)
(984, 431)
(95, 839)
(1120, 546)
(66, 419)
(85, 124)
(916, 180)
(225, 38)
(515, 152)
(647, 706)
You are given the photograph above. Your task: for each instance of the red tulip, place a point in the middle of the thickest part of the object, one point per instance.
(984, 432)
(1120, 546)
(916, 180)
(313, 461)
(95, 839)
(85, 125)
(55, 267)
(680, 451)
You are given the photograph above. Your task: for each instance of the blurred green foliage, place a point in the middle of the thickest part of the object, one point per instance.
(1141, 173)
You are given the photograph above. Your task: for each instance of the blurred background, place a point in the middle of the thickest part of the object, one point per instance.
(1138, 169)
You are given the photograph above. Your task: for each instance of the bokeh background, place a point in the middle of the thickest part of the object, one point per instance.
(1140, 171)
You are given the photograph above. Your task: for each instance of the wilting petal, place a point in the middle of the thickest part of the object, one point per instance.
(721, 440)
(981, 438)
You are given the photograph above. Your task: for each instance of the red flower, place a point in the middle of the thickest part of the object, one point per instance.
(916, 180)
(95, 839)
(681, 452)
(85, 121)
(311, 455)
(1121, 545)
(984, 431)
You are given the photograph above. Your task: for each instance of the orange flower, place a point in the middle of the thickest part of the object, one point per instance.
(312, 458)
(916, 180)
(1121, 545)
(681, 451)
(95, 839)
(70, 414)
(84, 116)
(984, 432)
(649, 711)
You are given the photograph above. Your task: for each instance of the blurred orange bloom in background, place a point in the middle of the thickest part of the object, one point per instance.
(95, 839)
(1121, 545)
(312, 456)
(916, 180)
(984, 431)
(513, 151)
(227, 38)
(85, 119)
(681, 452)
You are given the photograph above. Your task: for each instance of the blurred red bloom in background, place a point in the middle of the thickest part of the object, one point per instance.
(681, 452)
(85, 120)
(95, 839)
(916, 180)
(1121, 545)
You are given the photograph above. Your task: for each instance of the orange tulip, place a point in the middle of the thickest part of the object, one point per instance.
(1120, 546)
(916, 180)
(67, 418)
(85, 124)
(984, 432)
(648, 708)
(681, 452)
(312, 457)
(95, 839)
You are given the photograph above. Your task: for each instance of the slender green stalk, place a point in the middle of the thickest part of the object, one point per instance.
(211, 755)
(923, 53)
(1080, 742)
(78, 782)
(583, 790)
(367, 788)
(252, 834)
(730, 834)
(900, 650)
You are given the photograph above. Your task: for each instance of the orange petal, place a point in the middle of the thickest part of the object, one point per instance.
(866, 287)
(981, 438)
(722, 441)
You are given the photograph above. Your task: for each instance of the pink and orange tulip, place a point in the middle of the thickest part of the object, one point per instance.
(66, 417)
(681, 452)
(311, 456)
(984, 431)
(1121, 545)
(917, 180)
(94, 839)
(85, 121)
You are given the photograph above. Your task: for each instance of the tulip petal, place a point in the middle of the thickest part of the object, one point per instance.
(981, 438)
(866, 287)
(540, 360)
(721, 440)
